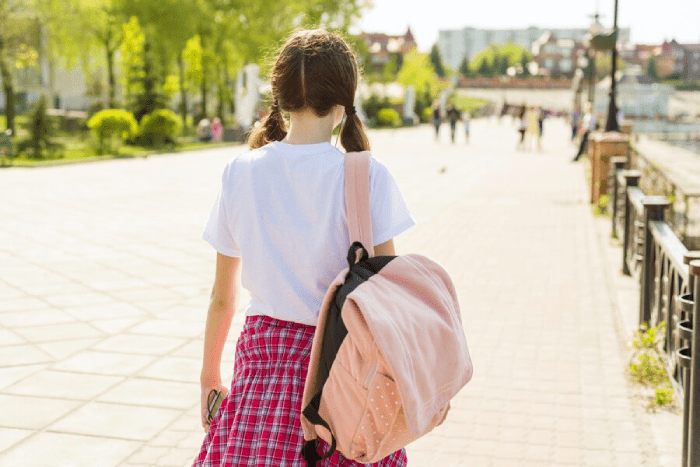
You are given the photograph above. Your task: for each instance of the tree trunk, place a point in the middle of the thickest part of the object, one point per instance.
(183, 91)
(220, 93)
(204, 94)
(110, 73)
(7, 87)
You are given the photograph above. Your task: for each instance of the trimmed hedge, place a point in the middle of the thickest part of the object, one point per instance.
(159, 127)
(110, 124)
(388, 117)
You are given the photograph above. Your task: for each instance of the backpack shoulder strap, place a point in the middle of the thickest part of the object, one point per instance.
(357, 199)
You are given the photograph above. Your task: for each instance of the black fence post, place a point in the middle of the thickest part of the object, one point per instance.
(685, 333)
(616, 165)
(654, 207)
(631, 180)
(694, 409)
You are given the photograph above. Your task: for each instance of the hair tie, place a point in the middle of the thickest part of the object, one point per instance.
(350, 110)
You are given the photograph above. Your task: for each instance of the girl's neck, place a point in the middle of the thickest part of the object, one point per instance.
(305, 127)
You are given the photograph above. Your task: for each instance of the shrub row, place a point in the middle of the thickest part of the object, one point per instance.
(115, 125)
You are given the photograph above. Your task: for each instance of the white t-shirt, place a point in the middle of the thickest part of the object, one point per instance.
(281, 208)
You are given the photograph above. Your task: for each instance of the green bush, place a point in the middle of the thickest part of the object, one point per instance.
(112, 124)
(159, 127)
(388, 117)
(41, 131)
(373, 105)
(426, 115)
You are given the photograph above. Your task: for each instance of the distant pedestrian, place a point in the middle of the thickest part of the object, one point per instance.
(587, 126)
(467, 124)
(437, 119)
(522, 127)
(453, 115)
(575, 122)
(533, 127)
(217, 130)
(204, 130)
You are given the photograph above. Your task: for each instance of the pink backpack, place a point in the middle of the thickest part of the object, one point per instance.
(389, 351)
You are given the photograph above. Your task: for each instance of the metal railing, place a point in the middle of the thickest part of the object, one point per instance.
(668, 275)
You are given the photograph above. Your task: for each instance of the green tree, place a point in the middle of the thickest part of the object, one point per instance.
(99, 22)
(41, 130)
(10, 35)
(523, 64)
(484, 69)
(651, 69)
(499, 58)
(503, 65)
(436, 60)
(464, 67)
(418, 71)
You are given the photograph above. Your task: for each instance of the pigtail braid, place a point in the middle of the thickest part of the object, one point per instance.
(352, 135)
(272, 129)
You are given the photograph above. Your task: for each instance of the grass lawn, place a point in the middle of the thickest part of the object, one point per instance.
(82, 150)
(468, 104)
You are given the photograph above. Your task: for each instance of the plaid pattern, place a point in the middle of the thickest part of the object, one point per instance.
(258, 422)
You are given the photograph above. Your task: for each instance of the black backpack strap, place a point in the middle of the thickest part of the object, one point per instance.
(309, 452)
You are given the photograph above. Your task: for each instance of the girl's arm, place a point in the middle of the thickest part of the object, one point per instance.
(224, 297)
(385, 249)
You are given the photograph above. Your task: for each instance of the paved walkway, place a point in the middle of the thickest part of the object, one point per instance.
(104, 287)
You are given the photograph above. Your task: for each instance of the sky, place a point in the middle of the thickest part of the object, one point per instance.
(650, 21)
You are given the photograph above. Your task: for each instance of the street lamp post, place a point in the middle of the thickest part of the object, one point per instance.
(612, 123)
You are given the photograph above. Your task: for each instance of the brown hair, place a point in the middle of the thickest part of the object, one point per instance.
(315, 69)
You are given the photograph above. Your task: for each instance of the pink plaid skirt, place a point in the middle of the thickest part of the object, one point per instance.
(258, 422)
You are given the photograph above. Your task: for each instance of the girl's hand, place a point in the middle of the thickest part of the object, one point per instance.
(205, 400)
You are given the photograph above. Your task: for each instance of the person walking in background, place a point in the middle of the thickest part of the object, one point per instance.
(217, 130)
(533, 128)
(467, 124)
(522, 128)
(204, 130)
(454, 116)
(587, 126)
(280, 223)
(575, 122)
(437, 119)
(541, 115)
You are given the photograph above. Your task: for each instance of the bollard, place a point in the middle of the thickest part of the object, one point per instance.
(631, 180)
(654, 207)
(618, 164)
(694, 408)
(603, 147)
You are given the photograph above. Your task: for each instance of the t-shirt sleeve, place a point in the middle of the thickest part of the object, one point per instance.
(390, 215)
(218, 230)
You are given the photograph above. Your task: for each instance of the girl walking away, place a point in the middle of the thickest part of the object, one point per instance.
(280, 223)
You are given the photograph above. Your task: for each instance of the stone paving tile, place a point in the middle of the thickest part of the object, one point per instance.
(63, 385)
(62, 449)
(104, 363)
(154, 393)
(62, 350)
(10, 375)
(32, 413)
(138, 344)
(23, 355)
(115, 421)
(514, 230)
(11, 436)
(58, 332)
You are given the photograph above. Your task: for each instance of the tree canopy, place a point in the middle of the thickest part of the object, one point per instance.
(191, 47)
(497, 58)
(436, 60)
